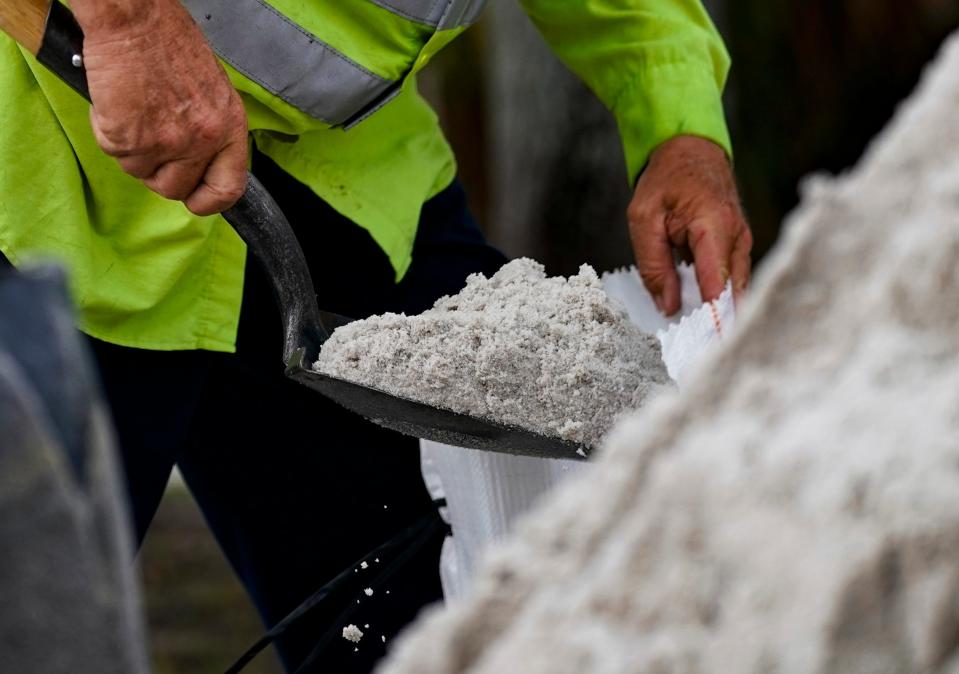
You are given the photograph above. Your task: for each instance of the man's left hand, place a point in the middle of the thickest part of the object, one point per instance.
(686, 200)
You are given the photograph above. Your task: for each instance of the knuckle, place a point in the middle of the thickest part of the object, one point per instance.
(201, 208)
(727, 210)
(177, 193)
(731, 215)
(230, 195)
(216, 198)
(165, 191)
(111, 141)
(205, 202)
(697, 234)
(637, 213)
(208, 130)
(134, 167)
(652, 277)
(236, 115)
(170, 186)
(233, 191)
(118, 139)
(168, 140)
(111, 149)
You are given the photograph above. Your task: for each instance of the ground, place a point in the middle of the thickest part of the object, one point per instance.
(199, 618)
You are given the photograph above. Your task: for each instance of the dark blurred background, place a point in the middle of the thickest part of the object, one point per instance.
(812, 82)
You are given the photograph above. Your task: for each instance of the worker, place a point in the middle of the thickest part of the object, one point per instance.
(320, 99)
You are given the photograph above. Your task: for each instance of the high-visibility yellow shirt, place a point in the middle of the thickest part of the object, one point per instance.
(146, 273)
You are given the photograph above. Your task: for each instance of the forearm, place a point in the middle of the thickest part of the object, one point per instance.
(658, 65)
(98, 17)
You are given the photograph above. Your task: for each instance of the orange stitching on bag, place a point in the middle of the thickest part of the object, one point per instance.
(716, 322)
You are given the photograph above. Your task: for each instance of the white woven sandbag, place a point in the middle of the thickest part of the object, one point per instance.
(486, 491)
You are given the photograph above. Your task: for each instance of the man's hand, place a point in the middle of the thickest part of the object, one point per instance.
(162, 105)
(686, 200)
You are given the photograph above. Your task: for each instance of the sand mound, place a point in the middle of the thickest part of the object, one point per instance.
(796, 510)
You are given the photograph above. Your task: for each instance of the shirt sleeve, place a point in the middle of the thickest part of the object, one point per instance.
(659, 65)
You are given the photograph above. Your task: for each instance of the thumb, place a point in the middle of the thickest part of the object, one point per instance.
(224, 181)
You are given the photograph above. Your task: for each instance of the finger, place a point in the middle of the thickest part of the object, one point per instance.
(712, 249)
(654, 259)
(104, 140)
(112, 142)
(177, 180)
(139, 165)
(741, 263)
(223, 182)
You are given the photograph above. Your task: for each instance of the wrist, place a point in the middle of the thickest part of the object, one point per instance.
(703, 147)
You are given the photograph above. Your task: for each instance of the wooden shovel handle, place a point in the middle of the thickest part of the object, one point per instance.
(25, 21)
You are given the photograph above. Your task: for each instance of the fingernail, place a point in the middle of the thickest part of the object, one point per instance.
(724, 274)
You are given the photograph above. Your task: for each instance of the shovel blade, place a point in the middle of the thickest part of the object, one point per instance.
(432, 423)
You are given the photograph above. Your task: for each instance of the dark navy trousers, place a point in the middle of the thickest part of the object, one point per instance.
(294, 488)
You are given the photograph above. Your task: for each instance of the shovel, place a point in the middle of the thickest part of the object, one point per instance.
(48, 30)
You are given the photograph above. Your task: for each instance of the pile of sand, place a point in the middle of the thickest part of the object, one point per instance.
(796, 510)
(549, 354)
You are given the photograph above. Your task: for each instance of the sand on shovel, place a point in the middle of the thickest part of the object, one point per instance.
(550, 354)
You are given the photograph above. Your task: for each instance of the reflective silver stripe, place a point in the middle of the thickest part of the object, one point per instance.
(286, 59)
(422, 11)
(473, 13)
(461, 13)
(439, 13)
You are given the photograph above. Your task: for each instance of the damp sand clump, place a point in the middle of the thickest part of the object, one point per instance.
(352, 633)
(553, 355)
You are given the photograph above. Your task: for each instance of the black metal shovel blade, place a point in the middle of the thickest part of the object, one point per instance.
(432, 423)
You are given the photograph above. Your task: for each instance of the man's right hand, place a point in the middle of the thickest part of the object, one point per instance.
(162, 105)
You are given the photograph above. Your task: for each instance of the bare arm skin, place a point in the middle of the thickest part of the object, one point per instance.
(686, 200)
(162, 105)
